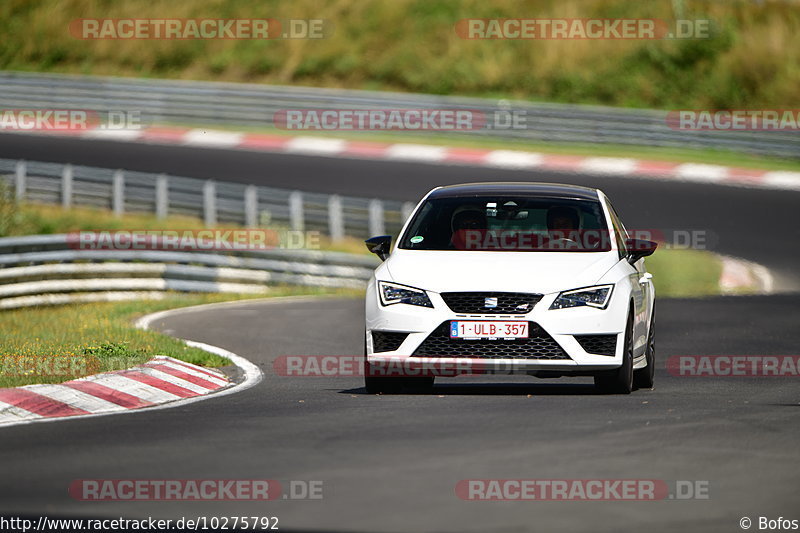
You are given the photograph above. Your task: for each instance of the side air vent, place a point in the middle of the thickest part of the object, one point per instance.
(387, 341)
(598, 344)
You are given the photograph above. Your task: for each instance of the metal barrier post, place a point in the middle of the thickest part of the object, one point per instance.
(66, 186)
(162, 198)
(296, 216)
(335, 218)
(20, 179)
(209, 203)
(251, 206)
(376, 225)
(118, 193)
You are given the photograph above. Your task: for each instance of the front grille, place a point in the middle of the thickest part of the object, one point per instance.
(387, 341)
(598, 344)
(474, 303)
(539, 345)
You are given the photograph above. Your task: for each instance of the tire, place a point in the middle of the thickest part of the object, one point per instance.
(392, 385)
(643, 378)
(619, 381)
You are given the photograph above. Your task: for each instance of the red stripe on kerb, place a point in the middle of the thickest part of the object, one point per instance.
(36, 403)
(108, 394)
(183, 375)
(659, 168)
(159, 384)
(196, 368)
(164, 134)
(266, 142)
(368, 149)
(746, 175)
(467, 155)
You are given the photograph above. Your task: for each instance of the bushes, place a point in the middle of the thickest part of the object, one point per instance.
(752, 58)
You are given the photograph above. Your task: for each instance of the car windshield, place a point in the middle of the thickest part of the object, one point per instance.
(508, 223)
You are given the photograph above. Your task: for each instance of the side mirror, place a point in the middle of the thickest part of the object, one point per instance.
(379, 246)
(638, 248)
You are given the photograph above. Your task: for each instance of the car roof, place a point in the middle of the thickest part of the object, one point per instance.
(520, 188)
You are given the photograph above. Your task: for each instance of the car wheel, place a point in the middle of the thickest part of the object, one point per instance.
(643, 378)
(619, 381)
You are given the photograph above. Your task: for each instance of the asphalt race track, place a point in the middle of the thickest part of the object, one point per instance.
(391, 463)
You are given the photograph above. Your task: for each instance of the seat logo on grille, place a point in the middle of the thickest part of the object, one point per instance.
(490, 303)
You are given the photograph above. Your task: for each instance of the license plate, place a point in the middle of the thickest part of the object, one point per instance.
(480, 329)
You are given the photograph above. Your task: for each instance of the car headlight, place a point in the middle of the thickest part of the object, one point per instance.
(590, 296)
(392, 293)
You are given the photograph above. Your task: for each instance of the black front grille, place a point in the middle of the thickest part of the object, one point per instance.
(387, 341)
(539, 345)
(598, 344)
(474, 303)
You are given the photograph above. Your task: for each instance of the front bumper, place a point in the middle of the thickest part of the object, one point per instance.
(560, 354)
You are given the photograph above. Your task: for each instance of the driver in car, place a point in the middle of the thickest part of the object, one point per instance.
(468, 227)
(563, 225)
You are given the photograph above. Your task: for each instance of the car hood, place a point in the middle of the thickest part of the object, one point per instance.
(540, 272)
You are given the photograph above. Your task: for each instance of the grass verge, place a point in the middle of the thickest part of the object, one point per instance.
(56, 344)
(679, 273)
(38, 219)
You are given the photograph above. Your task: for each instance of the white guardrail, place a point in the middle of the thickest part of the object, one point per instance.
(253, 105)
(216, 202)
(49, 269)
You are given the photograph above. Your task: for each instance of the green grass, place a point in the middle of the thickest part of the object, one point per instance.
(101, 336)
(684, 273)
(750, 60)
(35, 219)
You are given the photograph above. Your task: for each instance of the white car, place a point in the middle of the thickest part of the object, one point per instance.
(531, 278)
